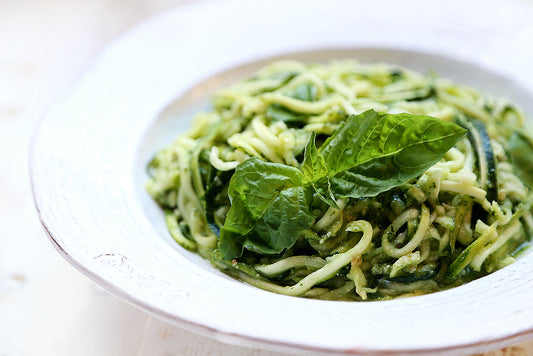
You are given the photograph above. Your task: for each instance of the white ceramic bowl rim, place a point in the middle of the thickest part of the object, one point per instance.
(85, 168)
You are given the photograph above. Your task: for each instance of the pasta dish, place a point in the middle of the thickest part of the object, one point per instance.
(350, 181)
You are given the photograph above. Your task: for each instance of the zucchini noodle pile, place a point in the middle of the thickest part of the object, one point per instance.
(466, 216)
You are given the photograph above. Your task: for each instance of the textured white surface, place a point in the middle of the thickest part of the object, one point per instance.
(45, 306)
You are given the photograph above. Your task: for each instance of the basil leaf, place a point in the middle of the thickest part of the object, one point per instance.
(373, 152)
(256, 182)
(520, 150)
(267, 211)
(314, 166)
(324, 191)
(360, 182)
(315, 172)
(237, 225)
(282, 222)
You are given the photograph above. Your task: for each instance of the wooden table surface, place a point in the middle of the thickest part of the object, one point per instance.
(47, 307)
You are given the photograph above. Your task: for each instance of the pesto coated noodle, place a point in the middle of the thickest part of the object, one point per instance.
(350, 181)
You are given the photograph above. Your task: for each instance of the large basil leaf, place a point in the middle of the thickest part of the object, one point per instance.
(373, 152)
(268, 209)
(282, 222)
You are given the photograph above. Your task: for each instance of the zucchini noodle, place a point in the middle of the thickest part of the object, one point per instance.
(466, 216)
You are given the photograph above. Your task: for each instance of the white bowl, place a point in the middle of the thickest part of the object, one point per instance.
(89, 153)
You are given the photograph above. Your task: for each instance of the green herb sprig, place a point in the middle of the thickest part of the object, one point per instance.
(370, 153)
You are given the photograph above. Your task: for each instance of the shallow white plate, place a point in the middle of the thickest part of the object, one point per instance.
(90, 150)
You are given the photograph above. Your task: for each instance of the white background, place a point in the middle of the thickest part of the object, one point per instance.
(47, 307)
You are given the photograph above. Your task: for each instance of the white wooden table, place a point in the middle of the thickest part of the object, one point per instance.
(47, 307)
